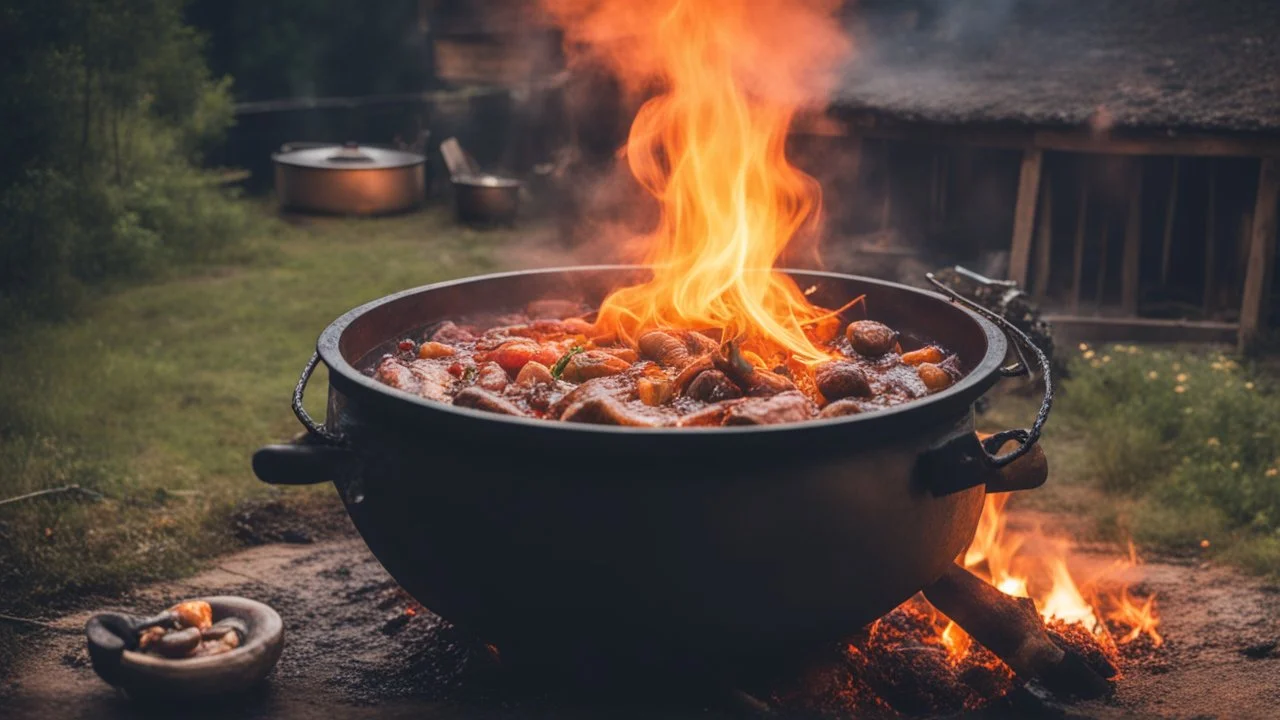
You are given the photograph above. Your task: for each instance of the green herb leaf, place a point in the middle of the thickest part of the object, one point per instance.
(563, 362)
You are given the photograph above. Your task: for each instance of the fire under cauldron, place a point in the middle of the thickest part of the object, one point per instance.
(571, 545)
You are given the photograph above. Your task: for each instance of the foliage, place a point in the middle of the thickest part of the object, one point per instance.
(1191, 436)
(106, 115)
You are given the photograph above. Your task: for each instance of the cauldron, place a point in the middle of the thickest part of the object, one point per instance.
(349, 179)
(695, 548)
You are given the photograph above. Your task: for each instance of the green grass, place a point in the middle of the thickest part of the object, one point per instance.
(1177, 448)
(157, 396)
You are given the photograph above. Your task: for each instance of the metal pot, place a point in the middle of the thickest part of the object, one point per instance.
(682, 548)
(486, 199)
(349, 179)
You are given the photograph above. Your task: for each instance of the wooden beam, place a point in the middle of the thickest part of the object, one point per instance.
(1077, 265)
(1120, 142)
(1068, 330)
(1262, 255)
(1044, 240)
(1210, 242)
(1024, 215)
(1170, 214)
(1131, 265)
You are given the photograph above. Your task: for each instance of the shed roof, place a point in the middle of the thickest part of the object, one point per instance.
(1194, 65)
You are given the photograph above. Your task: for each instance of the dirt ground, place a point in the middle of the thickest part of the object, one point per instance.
(353, 652)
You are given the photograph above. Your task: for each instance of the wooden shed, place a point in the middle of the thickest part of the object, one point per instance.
(1134, 145)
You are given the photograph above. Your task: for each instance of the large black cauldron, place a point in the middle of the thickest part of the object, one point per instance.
(689, 547)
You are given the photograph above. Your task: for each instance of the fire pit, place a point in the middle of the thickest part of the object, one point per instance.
(678, 548)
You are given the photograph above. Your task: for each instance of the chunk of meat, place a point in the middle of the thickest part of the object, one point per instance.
(713, 386)
(841, 408)
(534, 373)
(653, 386)
(593, 364)
(193, 613)
(419, 377)
(492, 377)
(838, 380)
(450, 333)
(930, 354)
(603, 410)
(870, 338)
(712, 416)
(781, 408)
(614, 386)
(752, 380)
(675, 350)
(480, 399)
(664, 349)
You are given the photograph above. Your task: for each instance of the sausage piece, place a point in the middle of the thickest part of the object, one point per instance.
(838, 380)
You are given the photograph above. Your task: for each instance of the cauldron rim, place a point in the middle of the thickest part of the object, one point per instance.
(946, 403)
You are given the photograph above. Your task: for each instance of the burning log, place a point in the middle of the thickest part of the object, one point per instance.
(1012, 629)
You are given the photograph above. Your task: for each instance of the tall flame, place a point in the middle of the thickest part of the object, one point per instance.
(710, 147)
(996, 554)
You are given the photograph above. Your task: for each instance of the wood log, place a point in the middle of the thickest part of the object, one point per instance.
(1024, 214)
(1262, 256)
(1011, 628)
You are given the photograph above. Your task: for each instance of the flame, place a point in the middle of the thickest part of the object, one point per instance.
(996, 554)
(710, 147)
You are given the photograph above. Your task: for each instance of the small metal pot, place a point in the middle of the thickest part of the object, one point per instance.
(486, 199)
(349, 179)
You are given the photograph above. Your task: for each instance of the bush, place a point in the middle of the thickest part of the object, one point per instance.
(1193, 435)
(106, 120)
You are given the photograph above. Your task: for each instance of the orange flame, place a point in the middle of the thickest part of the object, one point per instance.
(996, 555)
(710, 147)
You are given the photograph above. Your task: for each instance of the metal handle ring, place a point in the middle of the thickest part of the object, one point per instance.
(1025, 437)
(313, 427)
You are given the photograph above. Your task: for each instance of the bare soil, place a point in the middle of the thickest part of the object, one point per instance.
(352, 651)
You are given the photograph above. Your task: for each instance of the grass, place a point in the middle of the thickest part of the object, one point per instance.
(157, 396)
(1177, 448)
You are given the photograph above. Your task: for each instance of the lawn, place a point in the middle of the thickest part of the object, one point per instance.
(155, 398)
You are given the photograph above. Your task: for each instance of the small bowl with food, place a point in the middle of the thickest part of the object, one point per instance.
(207, 646)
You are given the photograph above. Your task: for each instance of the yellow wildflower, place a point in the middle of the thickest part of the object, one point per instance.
(1272, 472)
(1248, 386)
(1106, 358)
(1179, 389)
(1213, 442)
(1177, 366)
(1182, 377)
(1095, 364)
(1152, 375)
(1235, 465)
(1089, 355)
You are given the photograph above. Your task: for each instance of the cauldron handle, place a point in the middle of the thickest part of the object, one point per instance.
(317, 455)
(1025, 437)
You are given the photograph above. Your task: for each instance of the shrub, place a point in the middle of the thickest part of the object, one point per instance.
(105, 123)
(1192, 434)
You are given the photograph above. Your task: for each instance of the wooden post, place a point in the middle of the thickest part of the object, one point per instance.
(1044, 239)
(1024, 214)
(886, 208)
(1100, 294)
(1131, 265)
(1262, 255)
(1077, 266)
(1170, 214)
(1211, 239)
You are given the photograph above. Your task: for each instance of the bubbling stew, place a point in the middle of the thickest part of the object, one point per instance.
(550, 362)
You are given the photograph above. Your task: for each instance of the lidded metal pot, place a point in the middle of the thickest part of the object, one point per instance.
(349, 179)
